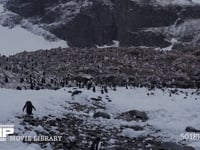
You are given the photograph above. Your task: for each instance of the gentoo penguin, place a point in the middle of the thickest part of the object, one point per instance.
(29, 107)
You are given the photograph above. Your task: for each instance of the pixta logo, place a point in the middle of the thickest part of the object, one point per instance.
(5, 130)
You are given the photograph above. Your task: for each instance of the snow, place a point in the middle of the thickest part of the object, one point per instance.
(115, 44)
(169, 48)
(173, 109)
(1, 8)
(18, 39)
(169, 114)
(132, 133)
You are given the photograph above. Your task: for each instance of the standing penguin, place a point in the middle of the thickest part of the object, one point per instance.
(29, 107)
(96, 145)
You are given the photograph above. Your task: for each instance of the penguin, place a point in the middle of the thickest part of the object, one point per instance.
(29, 107)
(96, 145)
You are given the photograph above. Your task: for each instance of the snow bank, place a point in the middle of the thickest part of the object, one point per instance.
(132, 133)
(18, 39)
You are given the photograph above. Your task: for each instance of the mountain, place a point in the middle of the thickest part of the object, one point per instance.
(87, 23)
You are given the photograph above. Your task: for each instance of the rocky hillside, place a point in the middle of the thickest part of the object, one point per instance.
(152, 23)
(113, 66)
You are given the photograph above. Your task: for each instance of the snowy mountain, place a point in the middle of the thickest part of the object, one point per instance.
(130, 22)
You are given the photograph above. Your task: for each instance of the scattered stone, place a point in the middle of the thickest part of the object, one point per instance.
(133, 115)
(52, 122)
(18, 88)
(170, 146)
(76, 92)
(188, 148)
(96, 99)
(109, 100)
(101, 114)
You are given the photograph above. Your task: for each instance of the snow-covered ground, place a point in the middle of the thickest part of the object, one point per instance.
(171, 115)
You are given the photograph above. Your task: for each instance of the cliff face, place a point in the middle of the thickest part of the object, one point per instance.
(133, 23)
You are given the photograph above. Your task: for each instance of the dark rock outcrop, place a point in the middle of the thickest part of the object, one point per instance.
(76, 92)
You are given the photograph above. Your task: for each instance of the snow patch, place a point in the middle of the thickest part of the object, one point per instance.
(132, 133)
(115, 44)
(169, 48)
(1, 8)
(18, 39)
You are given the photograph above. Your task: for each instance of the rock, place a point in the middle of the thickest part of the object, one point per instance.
(109, 100)
(191, 129)
(52, 122)
(96, 99)
(9, 19)
(133, 115)
(76, 92)
(101, 114)
(18, 88)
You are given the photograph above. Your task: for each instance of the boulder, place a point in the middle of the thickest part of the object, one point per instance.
(101, 114)
(76, 92)
(133, 115)
(191, 129)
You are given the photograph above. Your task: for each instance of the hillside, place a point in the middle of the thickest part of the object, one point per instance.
(152, 23)
(138, 67)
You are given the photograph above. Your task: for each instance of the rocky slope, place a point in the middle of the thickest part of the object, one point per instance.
(114, 66)
(131, 22)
